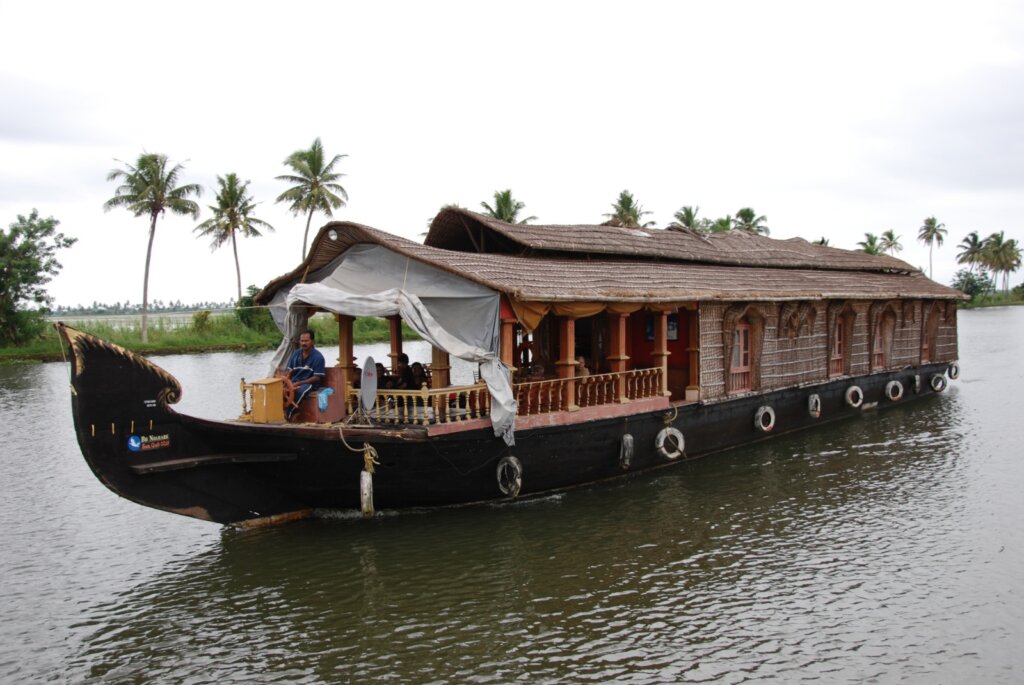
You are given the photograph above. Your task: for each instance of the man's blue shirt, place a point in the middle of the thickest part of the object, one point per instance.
(313, 365)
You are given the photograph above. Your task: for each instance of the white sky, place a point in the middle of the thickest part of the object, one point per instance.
(830, 119)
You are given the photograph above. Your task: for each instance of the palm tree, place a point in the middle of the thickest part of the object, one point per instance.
(890, 242)
(1002, 256)
(232, 214)
(686, 218)
(823, 241)
(870, 244)
(972, 250)
(721, 225)
(747, 220)
(315, 185)
(506, 208)
(930, 233)
(628, 211)
(149, 188)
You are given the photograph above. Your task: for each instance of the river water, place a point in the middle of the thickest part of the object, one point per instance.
(887, 548)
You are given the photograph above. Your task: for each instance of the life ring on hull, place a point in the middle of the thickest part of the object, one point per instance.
(510, 476)
(764, 419)
(894, 390)
(814, 405)
(953, 371)
(938, 382)
(626, 451)
(854, 396)
(670, 443)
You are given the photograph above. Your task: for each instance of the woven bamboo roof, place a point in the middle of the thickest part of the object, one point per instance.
(462, 230)
(566, 275)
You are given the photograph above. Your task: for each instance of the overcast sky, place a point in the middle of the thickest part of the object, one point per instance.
(830, 119)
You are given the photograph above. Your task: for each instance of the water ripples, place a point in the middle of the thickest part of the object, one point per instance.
(883, 548)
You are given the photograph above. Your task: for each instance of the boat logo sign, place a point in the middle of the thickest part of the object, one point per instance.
(144, 443)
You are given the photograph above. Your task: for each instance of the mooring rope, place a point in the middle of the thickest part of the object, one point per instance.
(370, 456)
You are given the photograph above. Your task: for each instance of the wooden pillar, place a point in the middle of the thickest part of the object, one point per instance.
(660, 353)
(440, 368)
(617, 347)
(395, 333)
(567, 360)
(345, 355)
(508, 343)
(693, 350)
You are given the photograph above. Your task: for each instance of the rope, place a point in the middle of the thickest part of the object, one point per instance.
(370, 456)
(675, 414)
(405, 278)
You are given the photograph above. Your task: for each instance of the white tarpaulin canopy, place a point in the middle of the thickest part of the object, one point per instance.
(447, 311)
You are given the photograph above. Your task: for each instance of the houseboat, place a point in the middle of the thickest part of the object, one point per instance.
(597, 351)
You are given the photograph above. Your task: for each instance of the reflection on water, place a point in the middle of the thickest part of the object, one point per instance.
(883, 548)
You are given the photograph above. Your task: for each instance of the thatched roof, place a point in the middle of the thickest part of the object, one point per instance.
(574, 275)
(465, 231)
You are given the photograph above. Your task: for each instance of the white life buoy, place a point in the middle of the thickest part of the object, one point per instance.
(854, 396)
(626, 451)
(764, 419)
(953, 371)
(894, 390)
(938, 382)
(669, 443)
(510, 475)
(814, 405)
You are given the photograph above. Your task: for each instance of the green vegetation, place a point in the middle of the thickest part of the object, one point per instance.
(930, 233)
(315, 186)
(870, 244)
(890, 242)
(149, 189)
(232, 214)
(627, 212)
(27, 263)
(986, 260)
(747, 220)
(686, 218)
(207, 333)
(506, 208)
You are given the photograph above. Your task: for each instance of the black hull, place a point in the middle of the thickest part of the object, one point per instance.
(235, 472)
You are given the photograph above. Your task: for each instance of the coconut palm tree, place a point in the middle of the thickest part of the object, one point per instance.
(506, 208)
(721, 225)
(870, 244)
(930, 233)
(747, 220)
(150, 188)
(315, 185)
(972, 250)
(890, 242)
(232, 214)
(1002, 256)
(628, 211)
(686, 218)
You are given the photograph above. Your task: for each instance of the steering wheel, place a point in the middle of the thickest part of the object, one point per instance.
(288, 391)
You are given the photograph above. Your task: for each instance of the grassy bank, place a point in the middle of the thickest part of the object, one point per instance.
(205, 334)
(993, 300)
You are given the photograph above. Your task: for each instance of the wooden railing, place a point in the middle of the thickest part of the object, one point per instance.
(425, 406)
(541, 397)
(462, 403)
(643, 383)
